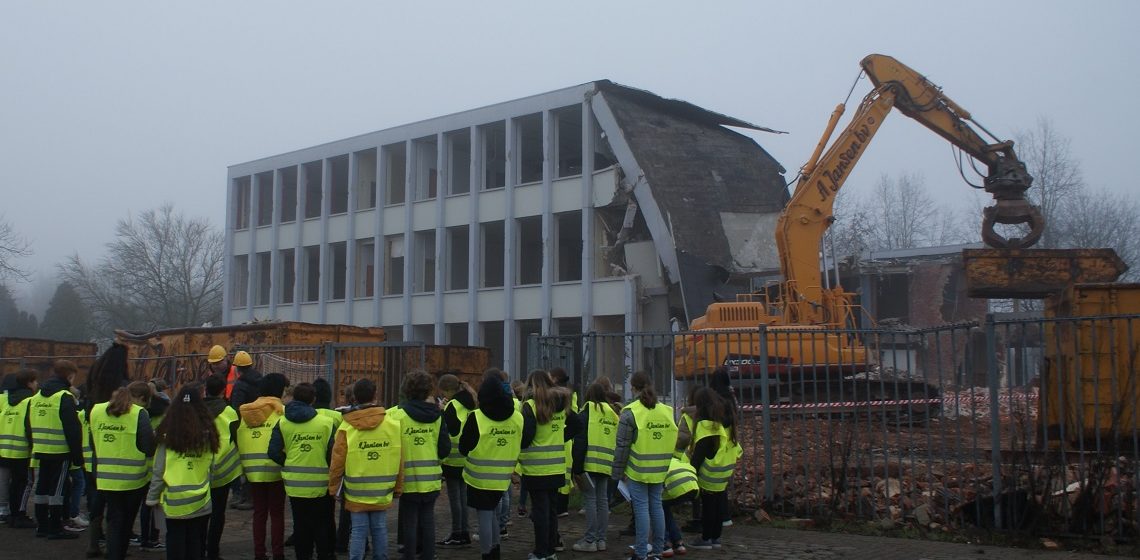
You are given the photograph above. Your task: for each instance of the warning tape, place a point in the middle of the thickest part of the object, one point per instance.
(947, 400)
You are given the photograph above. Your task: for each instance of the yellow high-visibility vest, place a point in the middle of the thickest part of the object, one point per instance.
(714, 474)
(456, 459)
(422, 471)
(491, 462)
(227, 465)
(306, 470)
(601, 439)
(650, 454)
(187, 478)
(253, 449)
(681, 480)
(118, 465)
(14, 442)
(371, 462)
(547, 452)
(47, 428)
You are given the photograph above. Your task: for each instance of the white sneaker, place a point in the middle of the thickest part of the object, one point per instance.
(583, 546)
(726, 523)
(81, 520)
(71, 527)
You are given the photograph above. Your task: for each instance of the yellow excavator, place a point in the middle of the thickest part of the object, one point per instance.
(805, 320)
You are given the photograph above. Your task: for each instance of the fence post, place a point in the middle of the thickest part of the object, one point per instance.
(994, 381)
(765, 413)
(330, 367)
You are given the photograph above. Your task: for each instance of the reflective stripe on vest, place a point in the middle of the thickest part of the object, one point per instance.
(14, 442)
(420, 441)
(253, 450)
(187, 478)
(714, 474)
(492, 461)
(601, 439)
(546, 455)
(650, 453)
(227, 466)
(306, 470)
(371, 462)
(47, 428)
(681, 480)
(455, 458)
(118, 463)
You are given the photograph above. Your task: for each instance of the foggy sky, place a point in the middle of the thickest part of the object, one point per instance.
(109, 108)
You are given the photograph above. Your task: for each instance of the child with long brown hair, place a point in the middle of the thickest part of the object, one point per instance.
(547, 425)
(460, 402)
(188, 442)
(594, 462)
(119, 467)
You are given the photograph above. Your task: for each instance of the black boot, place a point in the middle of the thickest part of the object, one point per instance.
(497, 553)
(42, 528)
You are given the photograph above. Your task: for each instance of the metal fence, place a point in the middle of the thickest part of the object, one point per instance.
(1018, 425)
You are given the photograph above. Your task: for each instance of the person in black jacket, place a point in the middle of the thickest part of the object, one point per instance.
(416, 515)
(246, 387)
(497, 403)
(215, 402)
(455, 390)
(52, 480)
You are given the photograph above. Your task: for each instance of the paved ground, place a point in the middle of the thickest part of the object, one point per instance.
(744, 540)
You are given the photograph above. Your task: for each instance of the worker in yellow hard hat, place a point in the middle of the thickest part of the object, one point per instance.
(218, 361)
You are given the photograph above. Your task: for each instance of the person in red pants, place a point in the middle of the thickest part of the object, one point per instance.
(258, 419)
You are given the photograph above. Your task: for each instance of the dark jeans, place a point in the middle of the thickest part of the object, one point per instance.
(311, 527)
(343, 529)
(18, 483)
(147, 531)
(51, 487)
(672, 530)
(545, 519)
(184, 537)
(122, 507)
(417, 517)
(457, 502)
(268, 505)
(217, 522)
(713, 508)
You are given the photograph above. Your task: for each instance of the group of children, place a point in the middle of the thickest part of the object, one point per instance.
(443, 434)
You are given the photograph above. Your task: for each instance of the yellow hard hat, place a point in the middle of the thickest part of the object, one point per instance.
(242, 359)
(217, 354)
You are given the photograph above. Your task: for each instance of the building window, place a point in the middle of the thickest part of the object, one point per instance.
(494, 253)
(394, 333)
(528, 260)
(338, 176)
(365, 268)
(568, 251)
(366, 179)
(241, 202)
(493, 339)
(457, 334)
(311, 271)
(568, 135)
(288, 194)
(426, 185)
(458, 257)
(338, 269)
(264, 185)
(603, 154)
(493, 149)
(311, 173)
(396, 162)
(522, 343)
(423, 277)
(528, 144)
(240, 288)
(458, 161)
(288, 273)
(423, 333)
(394, 265)
(262, 278)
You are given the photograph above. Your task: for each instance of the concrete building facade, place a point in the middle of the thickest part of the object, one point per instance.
(594, 208)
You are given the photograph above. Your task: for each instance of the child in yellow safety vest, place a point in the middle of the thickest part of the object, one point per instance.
(593, 463)
(266, 487)
(15, 446)
(491, 439)
(425, 443)
(368, 460)
(460, 403)
(713, 454)
(187, 445)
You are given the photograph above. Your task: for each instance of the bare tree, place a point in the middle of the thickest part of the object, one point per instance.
(13, 246)
(162, 270)
(1100, 219)
(1056, 173)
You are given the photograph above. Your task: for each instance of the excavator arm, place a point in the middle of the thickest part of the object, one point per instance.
(809, 213)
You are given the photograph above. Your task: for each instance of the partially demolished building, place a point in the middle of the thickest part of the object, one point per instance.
(597, 207)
